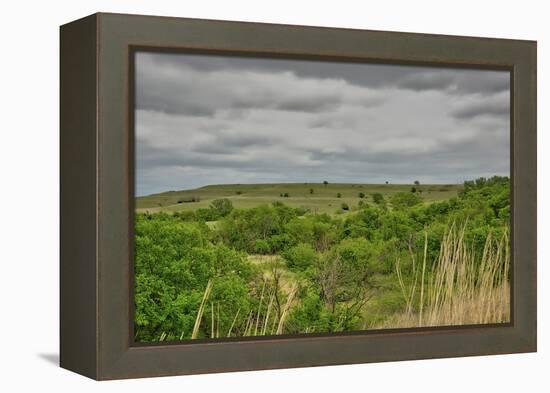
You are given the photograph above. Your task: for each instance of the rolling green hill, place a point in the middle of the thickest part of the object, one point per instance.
(317, 197)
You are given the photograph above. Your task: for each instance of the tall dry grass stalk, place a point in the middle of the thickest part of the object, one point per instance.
(259, 309)
(265, 320)
(462, 288)
(233, 323)
(286, 309)
(268, 312)
(257, 321)
(201, 310)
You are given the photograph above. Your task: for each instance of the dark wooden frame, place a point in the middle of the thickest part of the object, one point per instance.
(97, 196)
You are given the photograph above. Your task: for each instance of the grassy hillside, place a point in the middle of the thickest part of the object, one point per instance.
(324, 198)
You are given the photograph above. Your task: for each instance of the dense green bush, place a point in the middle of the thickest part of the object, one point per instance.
(207, 214)
(402, 200)
(300, 257)
(221, 206)
(378, 198)
(174, 261)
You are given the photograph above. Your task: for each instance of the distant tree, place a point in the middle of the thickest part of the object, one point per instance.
(311, 190)
(378, 198)
(189, 199)
(387, 182)
(222, 206)
(286, 195)
(361, 195)
(416, 182)
(413, 189)
(338, 195)
(325, 182)
(238, 192)
(344, 206)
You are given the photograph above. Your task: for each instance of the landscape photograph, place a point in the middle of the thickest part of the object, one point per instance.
(286, 197)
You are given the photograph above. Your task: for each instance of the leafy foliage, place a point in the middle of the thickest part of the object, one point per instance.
(378, 198)
(321, 270)
(401, 200)
(221, 206)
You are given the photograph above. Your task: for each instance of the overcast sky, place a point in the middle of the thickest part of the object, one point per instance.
(210, 119)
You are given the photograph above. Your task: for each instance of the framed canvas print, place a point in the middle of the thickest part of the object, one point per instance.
(241, 196)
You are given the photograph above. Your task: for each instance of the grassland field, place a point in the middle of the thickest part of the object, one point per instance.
(324, 198)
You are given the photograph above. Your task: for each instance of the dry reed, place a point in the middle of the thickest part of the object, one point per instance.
(286, 309)
(462, 289)
(201, 310)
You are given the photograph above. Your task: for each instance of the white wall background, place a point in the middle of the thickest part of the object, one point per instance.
(29, 194)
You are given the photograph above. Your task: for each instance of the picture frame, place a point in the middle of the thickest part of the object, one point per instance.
(97, 195)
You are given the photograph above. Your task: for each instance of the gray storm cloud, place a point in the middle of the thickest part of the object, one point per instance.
(204, 119)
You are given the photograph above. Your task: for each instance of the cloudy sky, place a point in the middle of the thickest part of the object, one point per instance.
(204, 119)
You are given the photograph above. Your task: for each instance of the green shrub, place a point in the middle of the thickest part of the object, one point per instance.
(174, 261)
(262, 246)
(300, 257)
(221, 206)
(207, 214)
(185, 215)
(401, 200)
(378, 198)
